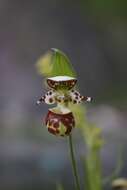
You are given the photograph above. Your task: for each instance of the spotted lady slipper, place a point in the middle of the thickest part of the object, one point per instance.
(60, 119)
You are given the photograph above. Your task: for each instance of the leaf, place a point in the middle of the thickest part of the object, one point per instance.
(43, 65)
(55, 63)
(61, 64)
(79, 114)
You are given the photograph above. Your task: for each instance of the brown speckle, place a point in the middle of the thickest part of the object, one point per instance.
(84, 98)
(76, 97)
(76, 93)
(50, 93)
(65, 100)
(74, 101)
(57, 131)
(51, 130)
(50, 100)
(58, 100)
(56, 124)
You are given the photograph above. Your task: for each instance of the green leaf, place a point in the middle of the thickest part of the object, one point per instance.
(55, 63)
(44, 65)
(61, 64)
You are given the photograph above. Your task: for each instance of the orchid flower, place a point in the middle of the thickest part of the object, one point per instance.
(60, 119)
(61, 80)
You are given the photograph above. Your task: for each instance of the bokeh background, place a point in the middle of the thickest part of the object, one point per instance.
(94, 36)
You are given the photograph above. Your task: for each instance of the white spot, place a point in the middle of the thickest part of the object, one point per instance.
(89, 99)
(38, 102)
(55, 120)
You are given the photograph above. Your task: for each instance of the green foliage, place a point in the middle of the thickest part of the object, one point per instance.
(44, 65)
(79, 114)
(91, 133)
(59, 186)
(105, 9)
(94, 142)
(92, 170)
(55, 63)
(61, 64)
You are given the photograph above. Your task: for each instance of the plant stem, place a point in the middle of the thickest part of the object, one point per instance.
(76, 177)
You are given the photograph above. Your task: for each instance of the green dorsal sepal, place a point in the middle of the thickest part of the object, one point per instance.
(61, 65)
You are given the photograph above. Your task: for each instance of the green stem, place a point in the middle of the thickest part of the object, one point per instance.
(76, 177)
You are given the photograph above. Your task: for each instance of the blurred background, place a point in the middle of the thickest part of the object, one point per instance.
(94, 36)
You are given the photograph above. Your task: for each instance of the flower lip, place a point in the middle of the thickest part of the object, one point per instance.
(61, 81)
(59, 123)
